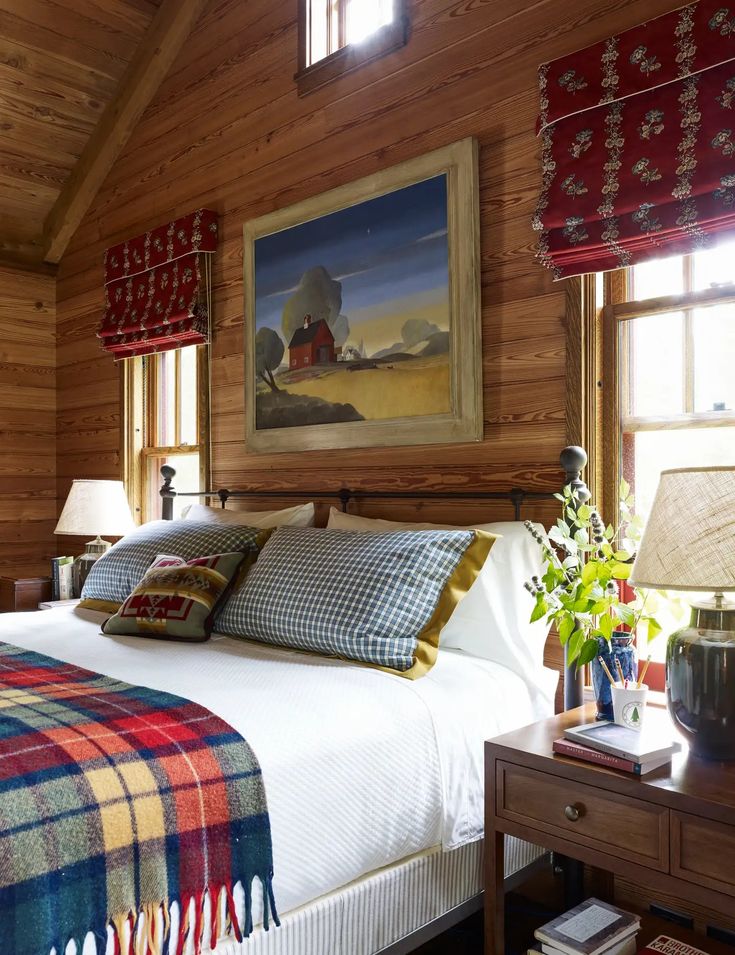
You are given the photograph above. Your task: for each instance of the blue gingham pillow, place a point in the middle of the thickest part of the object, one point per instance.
(380, 599)
(119, 571)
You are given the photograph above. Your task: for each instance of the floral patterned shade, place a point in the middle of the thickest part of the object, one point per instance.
(638, 143)
(154, 294)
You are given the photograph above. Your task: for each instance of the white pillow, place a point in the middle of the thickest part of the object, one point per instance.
(300, 516)
(492, 620)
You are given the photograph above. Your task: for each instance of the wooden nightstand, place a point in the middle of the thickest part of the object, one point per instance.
(672, 831)
(23, 593)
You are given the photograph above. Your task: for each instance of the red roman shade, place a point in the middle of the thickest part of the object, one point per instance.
(156, 288)
(638, 143)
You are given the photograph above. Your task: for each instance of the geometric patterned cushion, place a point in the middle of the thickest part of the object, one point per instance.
(381, 599)
(177, 599)
(119, 571)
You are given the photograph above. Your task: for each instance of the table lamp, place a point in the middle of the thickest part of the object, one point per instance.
(94, 507)
(689, 545)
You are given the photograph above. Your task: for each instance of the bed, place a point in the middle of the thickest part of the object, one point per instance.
(377, 833)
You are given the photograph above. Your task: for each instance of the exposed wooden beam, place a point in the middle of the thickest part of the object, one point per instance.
(160, 47)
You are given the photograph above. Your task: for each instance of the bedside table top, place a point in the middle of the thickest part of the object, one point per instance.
(688, 783)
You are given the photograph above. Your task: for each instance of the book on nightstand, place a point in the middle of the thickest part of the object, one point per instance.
(592, 928)
(61, 578)
(566, 747)
(655, 740)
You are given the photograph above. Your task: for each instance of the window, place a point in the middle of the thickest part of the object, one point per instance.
(166, 422)
(669, 336)
(336, 36)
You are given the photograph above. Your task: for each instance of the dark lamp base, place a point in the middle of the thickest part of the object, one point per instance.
(700, 680)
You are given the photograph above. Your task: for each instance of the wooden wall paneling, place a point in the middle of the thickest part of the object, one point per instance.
(160, 45)
(468, 70)
(60, 65)
(28, 506)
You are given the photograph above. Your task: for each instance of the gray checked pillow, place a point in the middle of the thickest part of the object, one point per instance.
(119, 571)
(380, 599)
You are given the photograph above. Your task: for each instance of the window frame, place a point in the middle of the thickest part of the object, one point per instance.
(351, 56)
(596, 307)
(619, 308)
(137, 421)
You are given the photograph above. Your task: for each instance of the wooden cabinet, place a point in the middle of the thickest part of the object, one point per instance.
(672, 831)
(24, 593)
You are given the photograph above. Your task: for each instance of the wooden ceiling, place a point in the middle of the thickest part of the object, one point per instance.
(75, 76)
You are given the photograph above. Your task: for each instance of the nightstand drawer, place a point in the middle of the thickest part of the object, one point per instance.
(617, 825)
(703, 851)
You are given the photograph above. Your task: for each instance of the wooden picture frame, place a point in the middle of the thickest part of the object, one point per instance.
(457, 166)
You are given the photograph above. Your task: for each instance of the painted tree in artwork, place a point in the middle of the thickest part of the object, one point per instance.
(320, 296)
(269, 350)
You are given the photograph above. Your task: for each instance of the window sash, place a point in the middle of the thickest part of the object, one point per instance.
(140, 426)
(341, 56)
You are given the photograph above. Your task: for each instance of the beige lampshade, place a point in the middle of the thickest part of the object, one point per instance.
(96, 507)
(689, 540)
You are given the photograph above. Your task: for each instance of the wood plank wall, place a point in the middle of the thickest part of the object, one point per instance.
(27, 422)
(227, 130)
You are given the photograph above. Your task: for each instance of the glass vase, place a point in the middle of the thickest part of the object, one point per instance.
(621, 649)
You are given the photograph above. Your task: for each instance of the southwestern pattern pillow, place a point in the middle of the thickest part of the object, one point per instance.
(380, 599)
(118, 572)
(176, 599)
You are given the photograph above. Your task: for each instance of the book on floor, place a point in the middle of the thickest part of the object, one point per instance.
(588, 929)
(655, 740)
(666, 945)
(626, 946)
(567, 747)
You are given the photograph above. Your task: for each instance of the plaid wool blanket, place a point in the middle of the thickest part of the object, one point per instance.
(115, 802)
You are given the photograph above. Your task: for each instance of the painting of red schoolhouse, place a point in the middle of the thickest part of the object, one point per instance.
(312, 344)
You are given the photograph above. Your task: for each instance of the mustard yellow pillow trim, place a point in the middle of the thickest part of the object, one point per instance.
(103, 606)
(427, 648)
(464, 576)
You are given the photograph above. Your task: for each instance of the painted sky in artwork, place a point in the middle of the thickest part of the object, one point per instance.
(389, 253)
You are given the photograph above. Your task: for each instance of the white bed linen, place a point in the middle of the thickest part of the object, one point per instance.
(362, 768)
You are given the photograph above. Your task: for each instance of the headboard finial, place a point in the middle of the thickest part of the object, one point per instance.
(167, 492)
(573, 461)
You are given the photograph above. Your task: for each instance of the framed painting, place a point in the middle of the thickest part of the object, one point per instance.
(362, 312)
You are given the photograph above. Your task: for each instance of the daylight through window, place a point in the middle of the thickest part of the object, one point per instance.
(675, 331)
(334, 24)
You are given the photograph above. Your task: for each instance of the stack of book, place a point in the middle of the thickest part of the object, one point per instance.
(618, 747)
(62, 587)
(592, 928)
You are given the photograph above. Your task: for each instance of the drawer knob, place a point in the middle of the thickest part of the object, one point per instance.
(572, 813)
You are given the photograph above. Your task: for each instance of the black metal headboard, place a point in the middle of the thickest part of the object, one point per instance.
(572, 459)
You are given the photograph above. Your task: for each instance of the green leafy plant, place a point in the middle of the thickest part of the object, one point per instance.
(585, 562)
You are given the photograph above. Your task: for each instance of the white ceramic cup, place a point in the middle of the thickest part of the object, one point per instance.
(629, 706)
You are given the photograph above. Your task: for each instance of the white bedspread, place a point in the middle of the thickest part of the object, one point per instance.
(362, 768)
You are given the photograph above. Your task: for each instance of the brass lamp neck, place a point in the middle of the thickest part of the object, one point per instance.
(714, 615)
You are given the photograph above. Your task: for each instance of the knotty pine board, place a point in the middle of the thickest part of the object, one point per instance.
(60, 64)
(28, 507)
(227, 130)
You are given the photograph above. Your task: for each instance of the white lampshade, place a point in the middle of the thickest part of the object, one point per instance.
(689, 540)
(96, 508)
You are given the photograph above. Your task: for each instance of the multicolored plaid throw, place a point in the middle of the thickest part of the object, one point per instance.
(115, 801)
